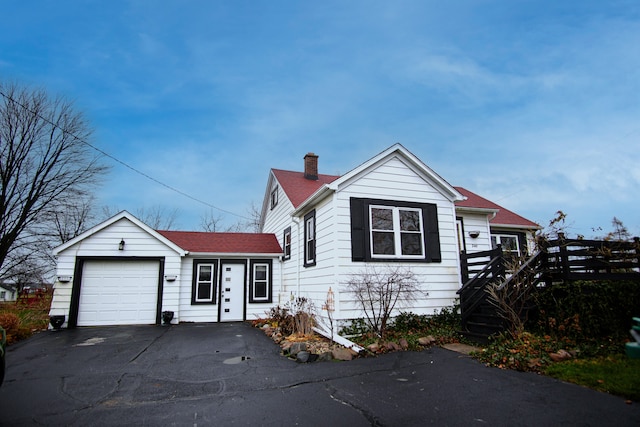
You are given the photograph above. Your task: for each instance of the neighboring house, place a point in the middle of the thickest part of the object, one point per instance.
(316, 231)
(8, 293)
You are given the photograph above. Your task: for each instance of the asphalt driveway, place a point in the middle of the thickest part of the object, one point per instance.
(231, 374)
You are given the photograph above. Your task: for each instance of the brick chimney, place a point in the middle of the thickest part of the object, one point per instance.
(311, 166)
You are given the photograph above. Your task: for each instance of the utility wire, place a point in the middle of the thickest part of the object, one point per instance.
(115, 159)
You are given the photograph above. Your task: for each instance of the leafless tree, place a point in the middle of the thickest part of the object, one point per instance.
(379, 290)
(46, 163)
(210, 222)
(157, 217)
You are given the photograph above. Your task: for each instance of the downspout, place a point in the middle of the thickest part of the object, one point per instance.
(297, 221)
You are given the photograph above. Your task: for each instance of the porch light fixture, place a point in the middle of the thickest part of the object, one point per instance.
(474, 234)
(170, 277)
(121, 245)
(64, 279)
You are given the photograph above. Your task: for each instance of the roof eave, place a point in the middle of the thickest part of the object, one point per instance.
(319, 194)
(516, 226)
(469, 209)
(237, 254)
(121, 215)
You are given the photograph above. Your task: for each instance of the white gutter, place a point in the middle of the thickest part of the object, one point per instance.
(235, 254)
(298, 240)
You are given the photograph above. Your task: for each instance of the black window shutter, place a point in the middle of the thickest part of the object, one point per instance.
(358, 230)
(432, 234)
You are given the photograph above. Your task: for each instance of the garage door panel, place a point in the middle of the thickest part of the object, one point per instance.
(118, 293)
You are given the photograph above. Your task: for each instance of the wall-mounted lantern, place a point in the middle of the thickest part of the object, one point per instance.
(474, 234)
(121, 245)
(170, 277)
(64, 279)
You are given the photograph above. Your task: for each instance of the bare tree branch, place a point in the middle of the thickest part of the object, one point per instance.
(45, 164)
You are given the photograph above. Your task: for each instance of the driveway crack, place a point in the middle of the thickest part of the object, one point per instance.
(149, 345)
(372, 419)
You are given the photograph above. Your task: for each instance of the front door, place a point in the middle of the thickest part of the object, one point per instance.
(232, 285)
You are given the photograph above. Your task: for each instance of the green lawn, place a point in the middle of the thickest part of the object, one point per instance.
(615, 374)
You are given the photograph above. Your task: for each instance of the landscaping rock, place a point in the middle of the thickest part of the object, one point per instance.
(560, 356)
(391, 346)
(404, 344)
(342, 354)
(374, 348)
(297, 347)
(302, 357)
(428, 340)
(325, 357)
(286, 345)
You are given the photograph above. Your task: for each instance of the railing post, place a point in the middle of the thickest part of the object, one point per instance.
(564, 257)
(636, 241)
(464, 266)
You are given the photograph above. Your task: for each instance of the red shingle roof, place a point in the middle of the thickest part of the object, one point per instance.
(198, 241)
(297, 187)
(503, 217)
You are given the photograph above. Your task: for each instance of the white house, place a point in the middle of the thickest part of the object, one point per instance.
(8, 293)
(315, 231)
(123, 272)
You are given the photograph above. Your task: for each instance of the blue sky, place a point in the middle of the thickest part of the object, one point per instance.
(532, 104)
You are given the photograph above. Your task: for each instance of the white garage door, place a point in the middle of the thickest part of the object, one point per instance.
(118, 293)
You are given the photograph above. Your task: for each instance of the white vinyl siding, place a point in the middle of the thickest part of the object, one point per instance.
(104, 243)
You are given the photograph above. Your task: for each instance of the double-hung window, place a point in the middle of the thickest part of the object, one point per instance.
(396, 232)
(287, 243)
(393, 230)
(274, 197)
(260, 288)
(310, 239)
(204, 282)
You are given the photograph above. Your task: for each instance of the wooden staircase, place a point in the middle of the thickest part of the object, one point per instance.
(479, 316)
(557, 261)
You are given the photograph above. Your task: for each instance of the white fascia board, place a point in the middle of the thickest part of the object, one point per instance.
(515, 227)
(485, 211)
(319, 194)
(235, 255)
(265, 199)
(113, 220)
(411, 161)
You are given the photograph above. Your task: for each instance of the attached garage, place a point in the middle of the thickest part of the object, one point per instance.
(119, 292)
(122, 272)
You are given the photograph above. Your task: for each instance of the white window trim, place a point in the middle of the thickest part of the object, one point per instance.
(511, 236)
(266, 281)
(285, 245)
(274, 197)
(211, 283)
(397, 233)
(310, 236)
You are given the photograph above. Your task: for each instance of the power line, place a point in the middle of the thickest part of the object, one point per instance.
(115, 159)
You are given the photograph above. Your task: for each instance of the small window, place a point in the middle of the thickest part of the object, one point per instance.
(260, 290)
(509, 243)
(310, 239)
(274, 197)
(287, 243)
(3, 294)
(204, 282)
